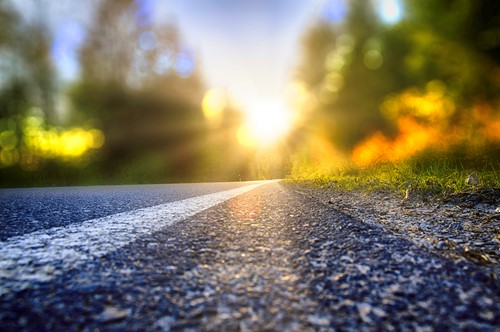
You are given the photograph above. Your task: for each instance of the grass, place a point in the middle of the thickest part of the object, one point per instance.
(425, 176)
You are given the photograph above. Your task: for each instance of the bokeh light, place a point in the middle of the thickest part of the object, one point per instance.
(214, 102)
(335, 10)
(184, 65)
(164, 63)
(373, 59)
(148, 41)
(36, 141)
(390, 11)
(246, 136)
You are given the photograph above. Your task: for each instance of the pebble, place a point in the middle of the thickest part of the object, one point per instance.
(363, 269)
(318, 320)
(364, 309)
(165, 323)
(112, 313)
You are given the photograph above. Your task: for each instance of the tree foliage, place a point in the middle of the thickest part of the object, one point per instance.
(441, 52)
(27, 74)
(131, 85)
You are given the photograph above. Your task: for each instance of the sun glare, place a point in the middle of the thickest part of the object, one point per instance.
(266, 123)
(214, 102)
(390, 11)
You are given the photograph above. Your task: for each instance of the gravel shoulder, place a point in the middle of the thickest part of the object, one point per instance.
(464, 226)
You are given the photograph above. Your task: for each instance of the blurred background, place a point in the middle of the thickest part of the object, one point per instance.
(155, 91)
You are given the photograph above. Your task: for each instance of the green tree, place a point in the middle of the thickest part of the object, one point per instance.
(455, 42)
(28, 77)
(353, 66)
(350, 67)
(144, 91)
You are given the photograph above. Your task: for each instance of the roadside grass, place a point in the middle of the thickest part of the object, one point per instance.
(425, 176)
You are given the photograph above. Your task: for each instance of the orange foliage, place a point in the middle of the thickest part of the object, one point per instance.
(484, 115)
(322, 150)
(371, 150)
(424, 121)
(413, 138)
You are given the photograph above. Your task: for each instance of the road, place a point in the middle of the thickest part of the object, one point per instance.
(229, 256)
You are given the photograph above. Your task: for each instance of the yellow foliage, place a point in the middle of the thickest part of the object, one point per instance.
(427, 120)
(38, 140)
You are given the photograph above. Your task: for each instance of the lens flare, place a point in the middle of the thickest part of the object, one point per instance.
(390, 11)
(214, 102)
(267, 122)
(246, 137)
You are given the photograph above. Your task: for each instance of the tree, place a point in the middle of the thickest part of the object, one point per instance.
(354, 66)
(350, 69)
(145, 92)
(28, 77)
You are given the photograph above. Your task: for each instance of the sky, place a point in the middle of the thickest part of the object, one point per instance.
(249, 47)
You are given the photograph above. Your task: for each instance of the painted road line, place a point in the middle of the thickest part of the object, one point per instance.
(41, 256)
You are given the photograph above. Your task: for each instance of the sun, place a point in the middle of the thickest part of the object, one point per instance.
(266, 123)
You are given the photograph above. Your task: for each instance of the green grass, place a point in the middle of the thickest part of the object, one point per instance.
(426, 176)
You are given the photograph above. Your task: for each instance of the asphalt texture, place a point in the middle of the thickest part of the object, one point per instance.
(25, 211)
(271, 259)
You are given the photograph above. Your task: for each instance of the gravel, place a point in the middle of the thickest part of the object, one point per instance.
(272, 259)
(463, 226)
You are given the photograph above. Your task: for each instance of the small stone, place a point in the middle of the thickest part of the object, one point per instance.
(112, 313)
(48, 269)
(165, 323)
(485, 301)
(487, 315)
(364, 310)
(346, 258)
(472, 179)
(318, 320)
(379, 312)
(336, 277)
(363, 269)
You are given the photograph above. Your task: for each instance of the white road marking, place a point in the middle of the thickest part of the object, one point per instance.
(41, 256)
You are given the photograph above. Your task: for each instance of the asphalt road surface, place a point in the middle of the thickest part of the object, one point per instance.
(228, 256)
